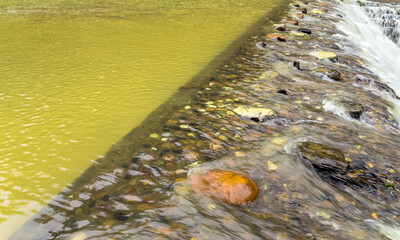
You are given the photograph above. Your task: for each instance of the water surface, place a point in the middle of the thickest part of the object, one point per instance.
(76, 76)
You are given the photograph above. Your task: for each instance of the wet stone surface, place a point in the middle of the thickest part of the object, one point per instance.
(253, 115)
(323, 157)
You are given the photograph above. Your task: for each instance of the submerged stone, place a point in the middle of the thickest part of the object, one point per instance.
(304, 30)
(302, 10)
(296, 64)
(354, 109)
(261, 45)
(228, 186)
(255, 114)
(322, 55)
(280, 27)
(335, 75)
(278, 37)
(323, 157)
(282, 91)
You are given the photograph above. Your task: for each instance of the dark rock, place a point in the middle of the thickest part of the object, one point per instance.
(354, 109)
(331, 166)
(304, 30)
(106, 198)
(120, 216)
(163, 152)
(281, 39)
(335, 75)
(296, 64)
(92, 204)
(334, 59)
(323, 157)
(135, 159)
(261, 45)
(282, 91)
(280, 27)
(127, 176)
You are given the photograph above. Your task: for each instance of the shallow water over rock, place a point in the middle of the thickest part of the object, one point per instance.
(141, 189)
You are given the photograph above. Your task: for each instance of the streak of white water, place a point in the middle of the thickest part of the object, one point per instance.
(379, 53)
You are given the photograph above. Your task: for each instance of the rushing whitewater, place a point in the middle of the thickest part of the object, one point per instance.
(381, 55)
(387, 17)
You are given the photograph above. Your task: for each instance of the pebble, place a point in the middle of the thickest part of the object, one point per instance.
(280, 27)
(304, 30)
(278, 37)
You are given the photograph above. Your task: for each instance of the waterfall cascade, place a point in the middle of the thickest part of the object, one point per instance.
(387, 17)
(364, 27)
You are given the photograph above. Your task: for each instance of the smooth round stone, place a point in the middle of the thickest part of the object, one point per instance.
(304, 30)
(228, 186)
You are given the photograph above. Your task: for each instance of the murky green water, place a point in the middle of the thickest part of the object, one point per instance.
(76, 76)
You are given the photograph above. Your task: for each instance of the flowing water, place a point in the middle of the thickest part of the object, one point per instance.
(387, 17)
(76, 76)
(141, 188)
(381, 52)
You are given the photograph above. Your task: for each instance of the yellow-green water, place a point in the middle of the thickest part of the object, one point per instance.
(76, 76)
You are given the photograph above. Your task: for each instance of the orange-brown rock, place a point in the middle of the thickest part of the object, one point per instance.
(278, 37)
(228, 186)
(291, 21)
